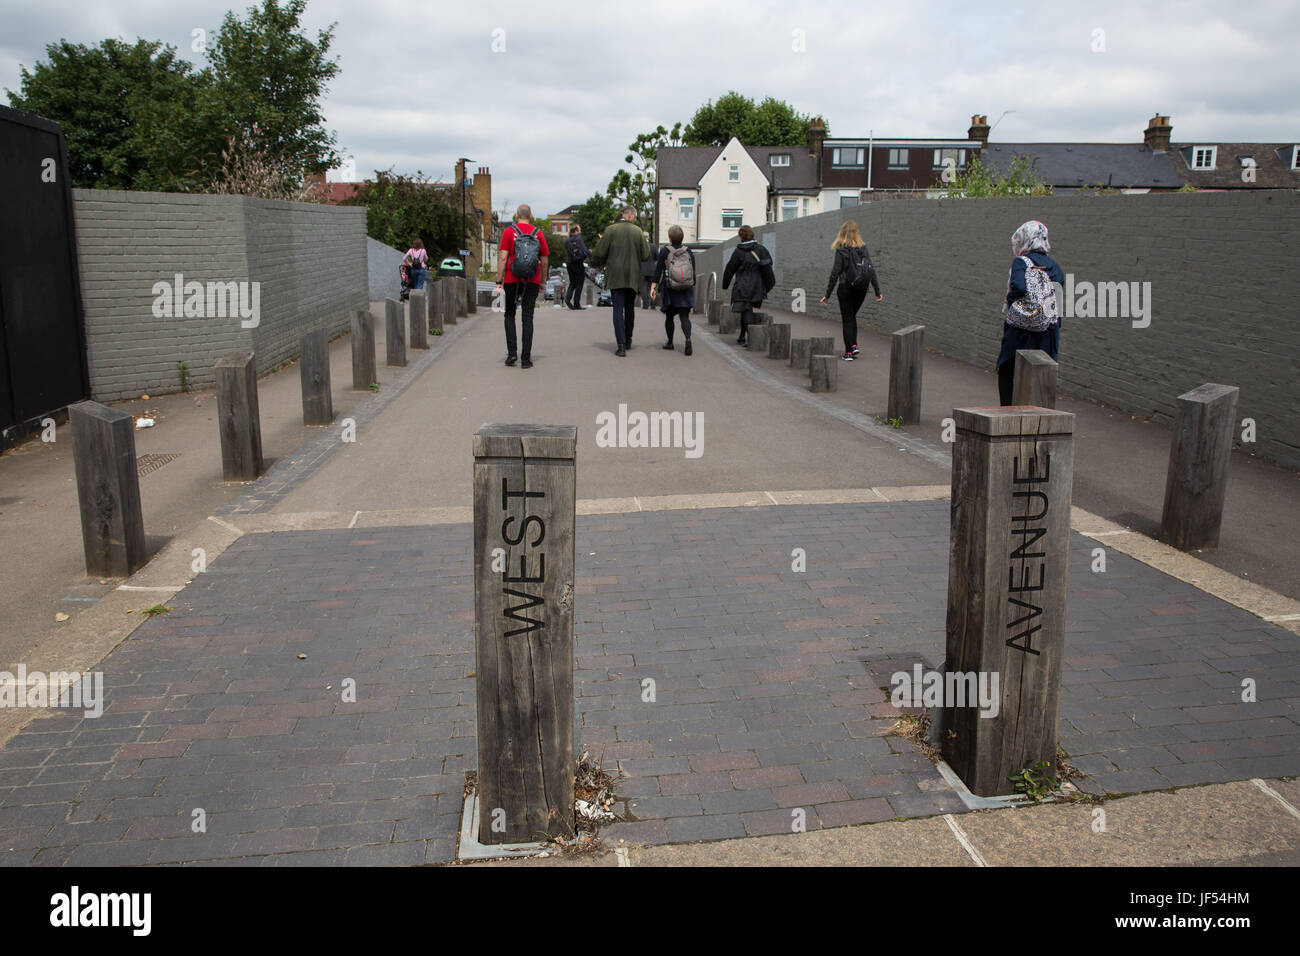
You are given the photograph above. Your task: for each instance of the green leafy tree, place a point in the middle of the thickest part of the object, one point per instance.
(978, 180)
(595, 216)
(134, 116)
(269, 74)
(772, 122)
(554, 243)
(400, 208)
(636, 187)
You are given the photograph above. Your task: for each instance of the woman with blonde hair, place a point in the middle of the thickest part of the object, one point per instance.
(854, 272)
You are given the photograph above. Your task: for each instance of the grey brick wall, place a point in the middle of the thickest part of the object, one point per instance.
(310, 260)
(1223, 289)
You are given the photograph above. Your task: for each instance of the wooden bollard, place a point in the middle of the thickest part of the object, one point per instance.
(825, 373)
(763, 318)
(108, 489)
(1035, 379)
(800, 353)
(458, 293)
(436, 312)
(471, 296)
(905, 357)
(314, 373)
(778, 340)
(524, 512)
(363, 350)
(417, 312)
(713, 310)
(239, 422)
(728, 321)
(1012, 471)
(484, 299)
(447, 299)
(821, 345)
(757, 335)
(698, 301)
(1199, 453)
(395, 334)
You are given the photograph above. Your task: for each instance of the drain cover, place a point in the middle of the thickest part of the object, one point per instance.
(147, 463)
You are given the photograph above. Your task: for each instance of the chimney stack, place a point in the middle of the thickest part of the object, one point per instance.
(1157, 134)
(979, 129)
(816, 136)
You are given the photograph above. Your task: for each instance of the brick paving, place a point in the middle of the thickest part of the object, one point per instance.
(767, 697)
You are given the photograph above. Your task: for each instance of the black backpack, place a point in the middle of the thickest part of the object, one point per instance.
(857, 275)
(527, 254)
(574, 245)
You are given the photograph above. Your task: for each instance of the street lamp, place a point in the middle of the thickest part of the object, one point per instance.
(464, 225)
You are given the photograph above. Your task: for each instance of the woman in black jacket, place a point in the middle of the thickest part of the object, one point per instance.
(751, 266)
(853, 271)
(674, 302)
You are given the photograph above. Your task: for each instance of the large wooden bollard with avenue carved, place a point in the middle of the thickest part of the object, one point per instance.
(778, 340)
(418, 319)
(1009, 551)
(395, 334)
(905, 356)
(239, 422)
(108, 489)
(524, 510)
(825, 372)
(314, 374)
(1034, 381)
(1199, 452)
(363, 350)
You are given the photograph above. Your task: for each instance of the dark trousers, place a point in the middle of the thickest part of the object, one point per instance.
(573, 297)
(1006, 382)
(683, 313)
(850, 301)
(624, 314)
(646, 302)
(746, 318)
(526, 302)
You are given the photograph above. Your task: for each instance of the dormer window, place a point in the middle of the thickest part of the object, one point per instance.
(1203, 157)
(779, 159)
(1295, 158)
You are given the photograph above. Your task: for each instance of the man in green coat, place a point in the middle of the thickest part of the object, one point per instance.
(621, 250)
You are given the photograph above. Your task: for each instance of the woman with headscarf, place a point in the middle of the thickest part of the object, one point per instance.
(1033, 315)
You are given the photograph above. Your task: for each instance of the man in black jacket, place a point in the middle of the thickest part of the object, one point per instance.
(575, 254)
(647, 276)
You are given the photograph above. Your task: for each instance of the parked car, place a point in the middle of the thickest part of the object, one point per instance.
(597, 278)
(554, 287)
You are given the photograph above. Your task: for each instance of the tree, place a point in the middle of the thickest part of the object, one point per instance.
(637, 187)
(249, 169)
(772, 122)
(554, 243)
(400, 208)
(978, 180)
(134, 116)
(595, 216)
(268, 74)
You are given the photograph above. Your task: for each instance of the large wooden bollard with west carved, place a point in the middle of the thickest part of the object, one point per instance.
(1009, 551)
(524, 512)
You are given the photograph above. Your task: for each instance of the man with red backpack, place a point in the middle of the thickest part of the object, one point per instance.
(520, 268)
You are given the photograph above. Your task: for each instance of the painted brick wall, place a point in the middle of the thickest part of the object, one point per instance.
(310, 260)
(1224, 291)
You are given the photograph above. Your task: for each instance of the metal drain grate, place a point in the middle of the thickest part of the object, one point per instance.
(147, 463)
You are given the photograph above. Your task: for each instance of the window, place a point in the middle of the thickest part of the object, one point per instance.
(1295, 157)
(849, 199)
(733, 218)
(733, 173)
(898, 159)
(1203, 157)
(789, 209)
(941, 157)
(847, 157)
(686, 209)
(805, 206)
(779, 159)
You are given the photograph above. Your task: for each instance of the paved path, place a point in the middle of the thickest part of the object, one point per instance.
(768, 689)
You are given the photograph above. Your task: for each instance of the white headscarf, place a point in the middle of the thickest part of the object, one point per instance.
(1030, 237)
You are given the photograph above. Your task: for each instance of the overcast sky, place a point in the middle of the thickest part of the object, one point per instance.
(553, 113)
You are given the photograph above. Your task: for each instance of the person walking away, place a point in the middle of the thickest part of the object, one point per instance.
(621, 250)
(520, 268)
(751, 266)
(415, 264)
(1032, 312)
(647, 276)
(575, 254)
(853, 271)
(674, 280)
